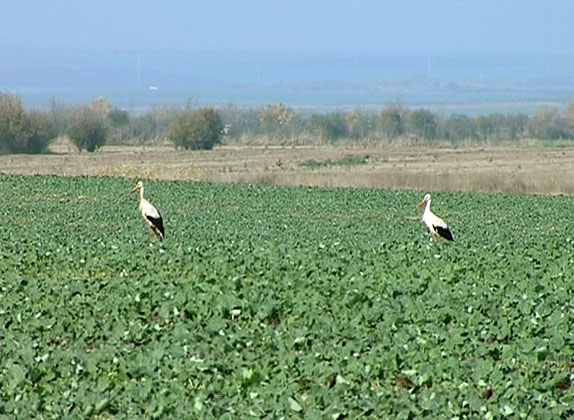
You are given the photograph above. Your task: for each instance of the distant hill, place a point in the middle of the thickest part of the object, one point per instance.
(142, 79)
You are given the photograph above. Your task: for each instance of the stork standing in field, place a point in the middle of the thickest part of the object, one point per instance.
(150, 214)
(436, 226)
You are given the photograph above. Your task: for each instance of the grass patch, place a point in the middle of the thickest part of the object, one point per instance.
(347, 160)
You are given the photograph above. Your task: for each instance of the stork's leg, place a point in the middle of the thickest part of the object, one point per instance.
(151, 234)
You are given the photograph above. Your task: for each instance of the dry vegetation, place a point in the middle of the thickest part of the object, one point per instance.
(515, 168)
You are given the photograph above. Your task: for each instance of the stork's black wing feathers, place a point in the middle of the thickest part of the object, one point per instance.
(157, 224)
(444, 232)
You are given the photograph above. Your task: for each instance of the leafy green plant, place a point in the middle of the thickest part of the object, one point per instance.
(87, 130)
(197, 129)
(330, 126)
(390, 121)
(282, 302)
(21, 131)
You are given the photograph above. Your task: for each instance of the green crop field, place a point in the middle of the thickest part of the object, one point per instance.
(282, 302)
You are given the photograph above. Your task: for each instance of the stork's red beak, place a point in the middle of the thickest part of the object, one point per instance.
(422, 202)
(134, 189)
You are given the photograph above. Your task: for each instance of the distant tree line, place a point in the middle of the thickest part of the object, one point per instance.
(395, 121)
(91, 126)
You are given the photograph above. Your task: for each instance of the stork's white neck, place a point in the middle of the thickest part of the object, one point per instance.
(427, 207)
(141, 193)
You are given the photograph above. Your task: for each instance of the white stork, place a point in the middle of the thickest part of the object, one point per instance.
(149, 213)
(436, 226)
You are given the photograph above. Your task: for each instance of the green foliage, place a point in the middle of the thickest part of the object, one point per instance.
(197, 129)
(20, 129)
(143, 128)
(422, 123)
(58, 113)
(489, 126)
(41, 132)
(359, 124)
(118, 117)
(118, 122)
(13, 124)
(282, 302)
(515, 126)
(459, 127)
(87, 130)
(547, 124)
(22, 132)
(276, 120)
(389, 122)
(330, 126)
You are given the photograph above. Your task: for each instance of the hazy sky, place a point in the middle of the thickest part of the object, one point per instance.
(373, 26)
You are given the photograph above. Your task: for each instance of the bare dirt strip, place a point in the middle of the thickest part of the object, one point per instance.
(514, 169)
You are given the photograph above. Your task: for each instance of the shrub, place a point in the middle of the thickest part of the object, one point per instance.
(12, 123)
(389, 123)
(118, 117)
(196, 129)
(41, 132)
(547, 124)
(459, 127)
(87, 131)
(118, 122)
(277, 120)
(330, 126)
(359, 124)
(143, 128)
(422, 124)
(22, 132)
